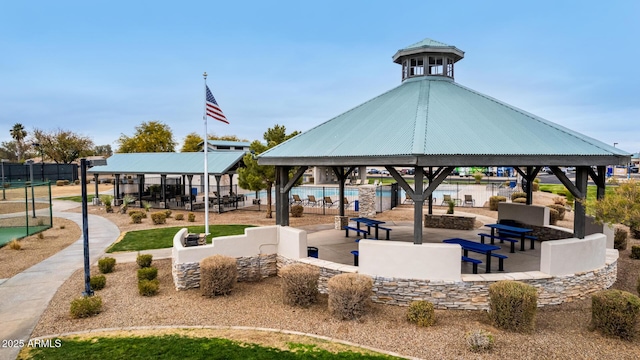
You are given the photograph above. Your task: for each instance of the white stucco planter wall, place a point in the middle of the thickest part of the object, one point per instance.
(569, 256)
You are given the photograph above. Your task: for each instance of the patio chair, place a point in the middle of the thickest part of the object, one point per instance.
(328, 202)
(347, 182)
(376, 182)
(445, 200)
(346, 203)
(359, 182)
(311, 200)
(468, 200)
(295, 200)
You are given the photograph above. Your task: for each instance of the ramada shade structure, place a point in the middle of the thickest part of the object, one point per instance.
(434, 124)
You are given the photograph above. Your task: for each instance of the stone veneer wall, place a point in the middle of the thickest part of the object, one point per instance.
(340, 222)
(473, 292)
(449, 222)
(367, 201)
(187, 275)
(544, 232)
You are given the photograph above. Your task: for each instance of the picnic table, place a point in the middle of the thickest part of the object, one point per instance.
(371, 223)
(468, 245)
(511, 231)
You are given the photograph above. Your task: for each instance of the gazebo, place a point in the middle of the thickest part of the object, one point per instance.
(433, 124)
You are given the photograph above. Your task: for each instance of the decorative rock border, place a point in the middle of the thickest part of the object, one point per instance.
(187, 275)
(449, 222)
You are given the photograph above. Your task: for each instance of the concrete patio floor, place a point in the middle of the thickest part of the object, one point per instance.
(334, 246)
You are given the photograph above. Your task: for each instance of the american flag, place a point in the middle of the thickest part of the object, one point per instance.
(213, 109)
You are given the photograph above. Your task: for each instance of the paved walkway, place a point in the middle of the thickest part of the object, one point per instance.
(24, 297)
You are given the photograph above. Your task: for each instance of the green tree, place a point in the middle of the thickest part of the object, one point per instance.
(63, 146)
(622, 206)
(192, 143)
(103, 150)
(262, 177)
(9, 150)
(152, 136)
(18, 133)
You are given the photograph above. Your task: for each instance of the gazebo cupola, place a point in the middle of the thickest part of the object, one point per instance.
(428, 58)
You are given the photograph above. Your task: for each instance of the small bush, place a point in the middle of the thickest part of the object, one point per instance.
(478, 177)
(106, 199)
(494, 201)
(299, 284)
(167, 213)
(620, 239)
(59, 182)
(296, 210)
(144, 260)
(520, 201)
(148, 287)
(451, 207)
(635, 252)
(97, 282)
(513, 305)
(146, 205)
(615, 313)
(62, 227)
(67, 182)
(218, 275)
(349, 295)
(134, 212)
(179, 217)
(535, 186)
(86, 306)
(76, 182)
(560, 201)
(159, 217)
(480, 340)
(536, 181)
(560, 209)
(106, 265)
(147, 273)
(421, 313)
(15, 245)
(191, 217)
(137, 217)
(518, 195)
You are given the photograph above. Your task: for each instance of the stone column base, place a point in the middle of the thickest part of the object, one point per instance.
(340, 222)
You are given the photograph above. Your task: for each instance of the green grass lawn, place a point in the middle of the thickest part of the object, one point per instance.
(163, 237)
(181, 347)
(560, 189)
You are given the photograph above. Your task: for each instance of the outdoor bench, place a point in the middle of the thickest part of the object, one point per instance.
(473, 261)
(358, 231)
(387, 229)
(512, 234)
(355, 257)
(500, 260)
(501, 238)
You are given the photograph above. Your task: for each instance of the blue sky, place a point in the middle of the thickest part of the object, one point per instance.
(100, 68)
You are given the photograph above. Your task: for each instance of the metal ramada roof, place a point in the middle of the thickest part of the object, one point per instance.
(432, 120)
(220, 162)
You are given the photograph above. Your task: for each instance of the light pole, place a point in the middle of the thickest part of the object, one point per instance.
(85, 221)
(3, 194)
(33, 198)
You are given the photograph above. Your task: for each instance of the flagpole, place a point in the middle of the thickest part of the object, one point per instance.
(206, 165)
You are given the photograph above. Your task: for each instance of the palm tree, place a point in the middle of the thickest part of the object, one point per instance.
(18, 133)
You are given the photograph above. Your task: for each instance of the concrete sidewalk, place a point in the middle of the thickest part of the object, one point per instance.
(24, 297)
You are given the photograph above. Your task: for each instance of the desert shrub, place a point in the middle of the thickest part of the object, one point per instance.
(133, 212)
(59, 182)
(76, 182)
(535, 186)
(620, 239)
(106, 265)
(179, 217)
(554, 216)
(191, 217)
(520, 201)
(635, 230)
(421, 313)
(451, 206)
(513, 305)
(167, 213)
(517, 195)
(480, 340)
(218, 275)
(560, 209)
(615, 313)
(146, 205)
(106, 199)
(15, 245)
(62, 227)
(137, 217)
(97, 282)
(299, 284)
(536, 180)
(144, 260)
(67, 182)
(478, 177)
(635, 252)
(296, 210)
(147, 273)
(148, 287)
(494, 201)
(159, 217)
(349, 295)
(560, 201)
(86, 306)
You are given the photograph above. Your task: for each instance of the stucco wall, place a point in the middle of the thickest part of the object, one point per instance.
(526, 214)
(410, 261)
(569, 256)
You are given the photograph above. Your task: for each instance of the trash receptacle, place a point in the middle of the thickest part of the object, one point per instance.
(191, 240)
(356, 205)
(312, 252)
(512, 184)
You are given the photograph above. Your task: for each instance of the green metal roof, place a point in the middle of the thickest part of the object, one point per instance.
(428, 46)
(219, 162)
(433, 120)
(426, 43)
(229, 143)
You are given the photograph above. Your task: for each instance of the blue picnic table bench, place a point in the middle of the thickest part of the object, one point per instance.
(473, 246)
